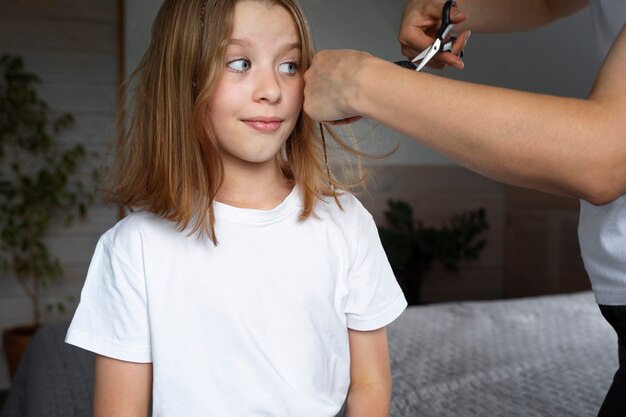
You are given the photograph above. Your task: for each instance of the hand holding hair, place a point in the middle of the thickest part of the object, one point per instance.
(332, 86)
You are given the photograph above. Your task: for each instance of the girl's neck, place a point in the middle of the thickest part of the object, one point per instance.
(251, 187)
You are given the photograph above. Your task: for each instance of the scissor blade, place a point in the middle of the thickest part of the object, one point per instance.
(429, 55)
(422, 54)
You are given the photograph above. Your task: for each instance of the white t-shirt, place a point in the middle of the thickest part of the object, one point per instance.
(602, 229)
(256, 326)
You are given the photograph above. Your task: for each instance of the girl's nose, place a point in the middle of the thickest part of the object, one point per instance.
(267, 88)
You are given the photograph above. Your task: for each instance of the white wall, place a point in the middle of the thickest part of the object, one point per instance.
(138, 15)
(557, 60)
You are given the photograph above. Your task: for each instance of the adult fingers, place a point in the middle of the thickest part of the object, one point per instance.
(420, 22)
(453, 58)
(461, 42)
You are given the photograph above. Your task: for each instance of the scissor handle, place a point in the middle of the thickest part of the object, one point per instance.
(445, 18)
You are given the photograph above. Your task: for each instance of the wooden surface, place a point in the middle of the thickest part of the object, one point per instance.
(542, 253)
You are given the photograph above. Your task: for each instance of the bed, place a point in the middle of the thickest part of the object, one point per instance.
(547, 356)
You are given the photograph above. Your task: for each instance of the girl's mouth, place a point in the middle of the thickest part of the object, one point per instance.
(265, 125)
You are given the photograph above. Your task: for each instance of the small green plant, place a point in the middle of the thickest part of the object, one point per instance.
(412, 247)
(39, 181)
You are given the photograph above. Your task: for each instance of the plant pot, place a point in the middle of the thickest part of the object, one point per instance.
(16, 340)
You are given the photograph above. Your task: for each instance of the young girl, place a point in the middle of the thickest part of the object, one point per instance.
(243, 284)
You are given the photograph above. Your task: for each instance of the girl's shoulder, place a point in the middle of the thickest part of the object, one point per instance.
(347, 200)
(138, 226)
(349, 207)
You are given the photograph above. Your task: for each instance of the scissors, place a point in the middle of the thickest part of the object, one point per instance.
(437, 46)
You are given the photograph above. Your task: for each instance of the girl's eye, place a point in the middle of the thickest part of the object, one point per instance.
(289, 68)
(239, 65)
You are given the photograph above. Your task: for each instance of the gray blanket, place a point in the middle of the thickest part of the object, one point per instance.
(54, 379)
(546, 356)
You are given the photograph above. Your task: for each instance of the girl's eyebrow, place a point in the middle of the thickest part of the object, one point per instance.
(246, 43)
(240, 42)
(292, 45)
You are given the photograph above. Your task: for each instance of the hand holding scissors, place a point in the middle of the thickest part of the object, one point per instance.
(415, 29)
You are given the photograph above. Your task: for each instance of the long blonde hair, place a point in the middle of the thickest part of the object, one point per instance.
(167, 161)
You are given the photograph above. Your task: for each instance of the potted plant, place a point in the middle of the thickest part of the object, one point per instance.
(39, 184)
(412, 247)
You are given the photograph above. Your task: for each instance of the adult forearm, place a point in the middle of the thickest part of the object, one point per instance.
(559, 145)
(368, 401)
(514, 15)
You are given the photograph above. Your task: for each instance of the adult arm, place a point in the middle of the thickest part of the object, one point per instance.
(507, 15)
(121, 389)
(370, 374)
(565, 146)
(421, 19)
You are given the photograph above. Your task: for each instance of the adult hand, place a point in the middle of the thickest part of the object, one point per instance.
(332, 86)
(421, 20)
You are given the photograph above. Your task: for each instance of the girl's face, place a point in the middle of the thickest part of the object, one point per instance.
(259, 97)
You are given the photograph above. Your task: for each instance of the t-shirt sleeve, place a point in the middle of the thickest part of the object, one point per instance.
(374, 296)
(112, 316)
